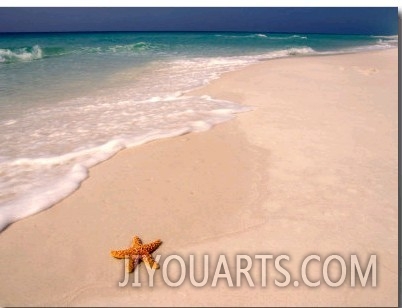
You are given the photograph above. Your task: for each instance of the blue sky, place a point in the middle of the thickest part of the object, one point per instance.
(263, 19)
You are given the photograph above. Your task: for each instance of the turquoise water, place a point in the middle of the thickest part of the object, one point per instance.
(69, 101)
(39, 65)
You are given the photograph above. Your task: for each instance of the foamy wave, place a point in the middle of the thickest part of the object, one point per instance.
(42, 197)
(377, 46)
(289, 52)
(29, 185)
(127, 48)
(387, 42)
(21, 54)
(261, 35)
(390, 37)
(300, 51)
(140, 46)
(223, 64)
(287, 37)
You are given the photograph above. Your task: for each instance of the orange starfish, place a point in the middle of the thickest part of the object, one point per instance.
(138, 252)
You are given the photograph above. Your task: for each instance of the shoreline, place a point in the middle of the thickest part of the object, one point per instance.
(264, 172)
(84, 174)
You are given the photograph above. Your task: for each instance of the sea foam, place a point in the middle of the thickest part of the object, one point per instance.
(48, 146)
(21, 54)
(30, 184)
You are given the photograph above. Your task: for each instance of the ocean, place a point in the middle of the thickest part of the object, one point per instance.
(71, 100)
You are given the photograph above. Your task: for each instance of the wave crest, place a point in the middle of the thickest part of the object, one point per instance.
(115, 49)
(21, 54)
(140, 46)
(27, 54)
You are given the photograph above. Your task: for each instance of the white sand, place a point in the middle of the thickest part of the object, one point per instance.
(313, 170)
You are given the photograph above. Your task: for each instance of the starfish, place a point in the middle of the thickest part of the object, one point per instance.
(137, 252)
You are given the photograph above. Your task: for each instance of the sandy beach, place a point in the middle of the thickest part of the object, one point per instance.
(313, 169)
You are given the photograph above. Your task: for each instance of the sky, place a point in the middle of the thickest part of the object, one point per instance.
(333, 20)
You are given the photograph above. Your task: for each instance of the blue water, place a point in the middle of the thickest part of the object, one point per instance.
(36, 63)
(69, 101)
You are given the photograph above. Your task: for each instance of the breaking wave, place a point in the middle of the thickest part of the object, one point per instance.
(21, 54)
(27, 54)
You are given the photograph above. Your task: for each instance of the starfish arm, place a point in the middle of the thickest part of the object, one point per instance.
(133, 262)
(137, 260)
(136, 241)
(121, 254)
(151, 247)
(149, 261)
(130, 265)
